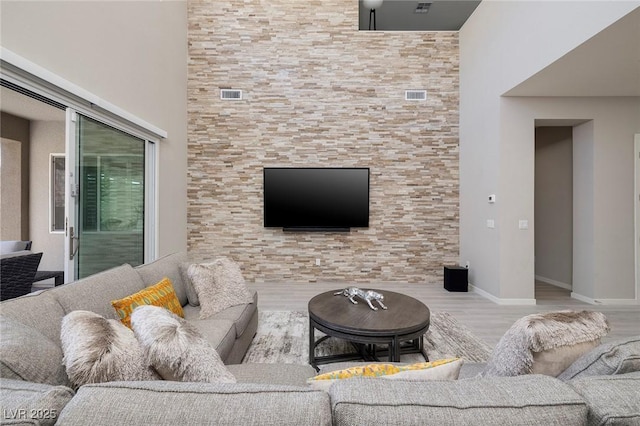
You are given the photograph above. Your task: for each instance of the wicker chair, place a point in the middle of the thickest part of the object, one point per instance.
(17, 274)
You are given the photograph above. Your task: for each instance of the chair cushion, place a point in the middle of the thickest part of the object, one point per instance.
(240, 315)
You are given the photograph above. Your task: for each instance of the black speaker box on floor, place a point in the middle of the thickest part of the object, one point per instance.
(456, 278)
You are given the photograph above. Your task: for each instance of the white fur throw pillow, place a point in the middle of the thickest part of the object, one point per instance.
(176, 349)
(546, 343)
(219, 285)
(99, 350)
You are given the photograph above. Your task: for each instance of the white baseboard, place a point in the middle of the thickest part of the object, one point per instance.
(500, 301)
(554, 282)
(591, 301)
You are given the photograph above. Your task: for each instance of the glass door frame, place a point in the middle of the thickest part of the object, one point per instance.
(72, 186)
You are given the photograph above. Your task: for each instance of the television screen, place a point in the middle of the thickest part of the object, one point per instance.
(316, 198)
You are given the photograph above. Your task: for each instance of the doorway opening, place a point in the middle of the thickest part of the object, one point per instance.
(553, 212)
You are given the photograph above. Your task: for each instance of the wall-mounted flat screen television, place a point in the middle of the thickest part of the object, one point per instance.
(316, 199)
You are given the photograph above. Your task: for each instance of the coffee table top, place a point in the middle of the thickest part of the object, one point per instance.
(404, 315)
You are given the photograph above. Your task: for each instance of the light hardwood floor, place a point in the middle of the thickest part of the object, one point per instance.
(485, 319)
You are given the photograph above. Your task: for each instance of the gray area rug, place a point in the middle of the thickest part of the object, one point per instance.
(283, 337)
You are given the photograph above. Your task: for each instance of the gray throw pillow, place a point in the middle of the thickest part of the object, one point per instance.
(99, 350)
(27, 354)
(617, 357)
(219, 285)
(176, 349)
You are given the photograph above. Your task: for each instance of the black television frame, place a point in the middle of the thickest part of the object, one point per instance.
(318, 228)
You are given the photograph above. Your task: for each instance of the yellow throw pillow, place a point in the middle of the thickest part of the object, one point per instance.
(443, 369)
(161, 294)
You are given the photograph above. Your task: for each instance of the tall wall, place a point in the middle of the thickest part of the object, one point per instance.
(501, 45)
(132, 54)
(320, 93)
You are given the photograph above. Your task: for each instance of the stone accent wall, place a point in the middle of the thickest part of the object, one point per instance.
(318, 93)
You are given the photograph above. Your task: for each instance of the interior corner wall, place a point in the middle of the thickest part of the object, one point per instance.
(46, 137)
(131, 54)
(318, 93)
(502, 44)
(17, 129)
(604, 264)
(553, 211)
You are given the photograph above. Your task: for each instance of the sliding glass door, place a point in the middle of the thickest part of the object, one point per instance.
(106, 198)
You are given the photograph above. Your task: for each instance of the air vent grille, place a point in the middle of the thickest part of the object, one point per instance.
(415, 95)
(423, 7)
(231, 94)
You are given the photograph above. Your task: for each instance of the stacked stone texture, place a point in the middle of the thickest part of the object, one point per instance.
(319, 93)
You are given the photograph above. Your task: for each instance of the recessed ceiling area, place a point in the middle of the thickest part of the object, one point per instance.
(23, 106)
(402, 15)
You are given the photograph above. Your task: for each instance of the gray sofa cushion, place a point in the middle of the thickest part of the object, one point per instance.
(175, 403)
(26, 354)
(483, 401)
(96, 292)
(240, 315)
(40, 311)
(612, 400)
(32, 403)
(273, 374)
(167, 266)
(617, 357)
(221, 334)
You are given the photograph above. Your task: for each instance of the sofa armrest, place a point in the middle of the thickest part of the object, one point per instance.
(171, 403)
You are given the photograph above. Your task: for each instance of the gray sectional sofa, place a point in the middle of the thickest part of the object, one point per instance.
(34, 388)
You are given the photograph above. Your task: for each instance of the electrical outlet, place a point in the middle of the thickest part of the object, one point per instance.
(318, 261)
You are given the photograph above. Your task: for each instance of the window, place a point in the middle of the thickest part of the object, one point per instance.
(56, 216)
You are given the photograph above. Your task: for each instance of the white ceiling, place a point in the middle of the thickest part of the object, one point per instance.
(398, 15)
(23, 106)
(608, 64)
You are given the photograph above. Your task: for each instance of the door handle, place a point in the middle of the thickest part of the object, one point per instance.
(73, 248)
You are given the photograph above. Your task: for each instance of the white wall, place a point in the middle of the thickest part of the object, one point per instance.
(10, 188)
(132, 54)
(554, 205)
(46, 137)
(502, 44)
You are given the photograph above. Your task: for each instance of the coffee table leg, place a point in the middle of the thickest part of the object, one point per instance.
(312, 345)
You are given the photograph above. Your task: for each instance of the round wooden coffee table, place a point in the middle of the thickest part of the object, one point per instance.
(405, 320)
